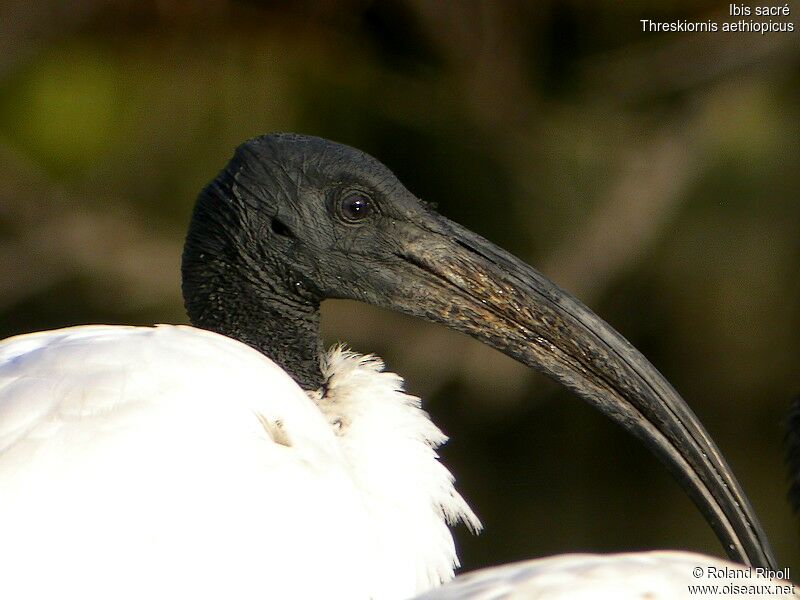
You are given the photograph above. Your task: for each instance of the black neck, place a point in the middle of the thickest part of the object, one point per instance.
(230, 287)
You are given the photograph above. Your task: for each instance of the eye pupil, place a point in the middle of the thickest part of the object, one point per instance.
(355, 207)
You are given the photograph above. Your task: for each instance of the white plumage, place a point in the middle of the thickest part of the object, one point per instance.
(633, 576)
(173, 462)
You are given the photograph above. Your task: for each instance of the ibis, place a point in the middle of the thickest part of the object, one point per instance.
(238, 458)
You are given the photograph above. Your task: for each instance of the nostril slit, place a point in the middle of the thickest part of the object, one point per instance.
(281, 229)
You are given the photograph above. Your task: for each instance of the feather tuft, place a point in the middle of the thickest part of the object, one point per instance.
(390, 444)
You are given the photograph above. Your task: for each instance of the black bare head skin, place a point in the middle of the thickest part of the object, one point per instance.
(290, 221)
(293, 220)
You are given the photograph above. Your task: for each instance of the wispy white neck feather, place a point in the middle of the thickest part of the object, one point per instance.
(390, 445)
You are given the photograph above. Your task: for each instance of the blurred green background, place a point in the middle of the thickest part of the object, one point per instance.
(656, 176)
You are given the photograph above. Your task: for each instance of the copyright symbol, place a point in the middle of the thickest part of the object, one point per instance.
(697, 572)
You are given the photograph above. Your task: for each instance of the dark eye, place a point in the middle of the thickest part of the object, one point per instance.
(354, 207)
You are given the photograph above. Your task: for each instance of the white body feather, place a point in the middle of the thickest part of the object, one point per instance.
(633, 576)
(171, 462)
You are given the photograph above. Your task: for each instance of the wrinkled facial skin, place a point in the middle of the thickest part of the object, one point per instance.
(313, 234)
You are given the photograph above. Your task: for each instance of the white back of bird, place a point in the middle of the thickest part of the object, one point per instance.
(662, 575)
(173, 462)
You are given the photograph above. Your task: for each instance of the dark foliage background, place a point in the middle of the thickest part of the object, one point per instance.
(655, 176)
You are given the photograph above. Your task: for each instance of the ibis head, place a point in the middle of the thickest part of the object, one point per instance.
(293, 220)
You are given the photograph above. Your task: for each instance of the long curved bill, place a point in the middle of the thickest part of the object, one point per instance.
(477, 288)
